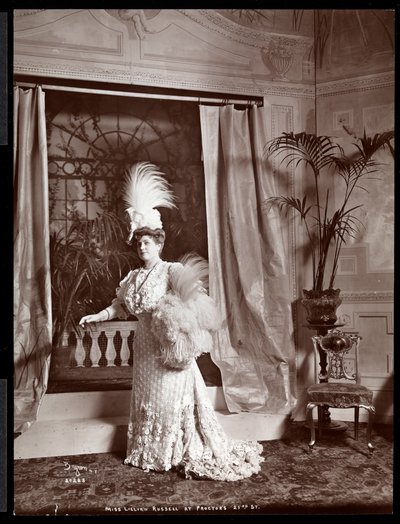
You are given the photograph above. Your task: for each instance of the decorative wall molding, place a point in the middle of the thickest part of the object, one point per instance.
(115, 49)
(282, 120)
(192, 50)
(25, 12)
(278, 51)
(347, 265)
(367, 296)
(374, 321)
(75, 71)
(124, 75)
(363, 83)
(213, 21)
(378, 118)
(387, 315)
(258, 65)
(363, 258)
(285, 90)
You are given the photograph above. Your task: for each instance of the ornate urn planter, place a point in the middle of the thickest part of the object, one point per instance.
(278, 58)
(321, 306)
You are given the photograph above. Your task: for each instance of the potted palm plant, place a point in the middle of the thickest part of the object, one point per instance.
(327, 228)
(90, 256)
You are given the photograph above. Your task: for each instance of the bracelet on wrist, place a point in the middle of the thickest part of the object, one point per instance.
(108, 315)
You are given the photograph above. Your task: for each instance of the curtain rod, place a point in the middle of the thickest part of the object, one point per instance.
(198, 99)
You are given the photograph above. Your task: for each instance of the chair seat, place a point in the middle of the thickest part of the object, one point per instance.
(339, 394)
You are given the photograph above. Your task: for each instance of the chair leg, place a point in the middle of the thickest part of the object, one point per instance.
(371, 416)
(320, 421)
(309, 418)
(356, 419)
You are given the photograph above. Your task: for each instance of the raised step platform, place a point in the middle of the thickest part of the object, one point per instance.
(96, 422)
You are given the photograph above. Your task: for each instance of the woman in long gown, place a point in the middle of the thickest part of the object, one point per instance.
(172, 423)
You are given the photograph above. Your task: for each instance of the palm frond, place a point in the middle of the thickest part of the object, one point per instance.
(286, 203)
(316, 151)
(324, 156)
(370, 145)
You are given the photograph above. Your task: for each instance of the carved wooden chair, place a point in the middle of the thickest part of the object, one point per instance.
(340, 386)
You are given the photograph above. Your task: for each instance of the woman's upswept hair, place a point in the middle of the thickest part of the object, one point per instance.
(157, 234)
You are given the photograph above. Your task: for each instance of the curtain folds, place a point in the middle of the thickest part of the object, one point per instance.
(249, 269)
(32, 286)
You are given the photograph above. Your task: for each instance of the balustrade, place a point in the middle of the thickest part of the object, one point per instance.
(103, 344)
(100, 358)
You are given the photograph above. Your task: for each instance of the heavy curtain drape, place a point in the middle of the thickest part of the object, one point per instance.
(249, 267)
(32, 287)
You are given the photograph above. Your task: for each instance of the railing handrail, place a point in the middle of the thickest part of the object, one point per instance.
(115, 325)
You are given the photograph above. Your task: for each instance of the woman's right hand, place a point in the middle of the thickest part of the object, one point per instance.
(89, 319)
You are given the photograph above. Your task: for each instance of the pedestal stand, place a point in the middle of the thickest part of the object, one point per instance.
(324, 415)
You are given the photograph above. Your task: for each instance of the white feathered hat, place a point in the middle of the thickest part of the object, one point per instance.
(144, 190)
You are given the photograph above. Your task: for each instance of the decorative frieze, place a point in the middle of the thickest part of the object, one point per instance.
(364, 83)
(25, 12)
(367, 296)
(147, 78)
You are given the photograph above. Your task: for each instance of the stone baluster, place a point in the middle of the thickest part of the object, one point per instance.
(110, 353)
(95, 352)
(65, 339)
(80, 354)
(124, 347)
(65, 349)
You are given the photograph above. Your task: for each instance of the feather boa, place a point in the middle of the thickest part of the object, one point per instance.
(186, 317)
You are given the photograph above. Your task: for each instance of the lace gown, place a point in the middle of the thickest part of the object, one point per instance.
(172, 422)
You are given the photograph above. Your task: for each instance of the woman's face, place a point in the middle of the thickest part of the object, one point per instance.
(148, 250)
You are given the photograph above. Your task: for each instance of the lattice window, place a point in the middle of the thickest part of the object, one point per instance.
(93, 139)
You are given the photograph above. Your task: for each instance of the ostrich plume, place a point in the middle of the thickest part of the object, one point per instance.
(193, 276)
(185, 318)
(145, 189)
